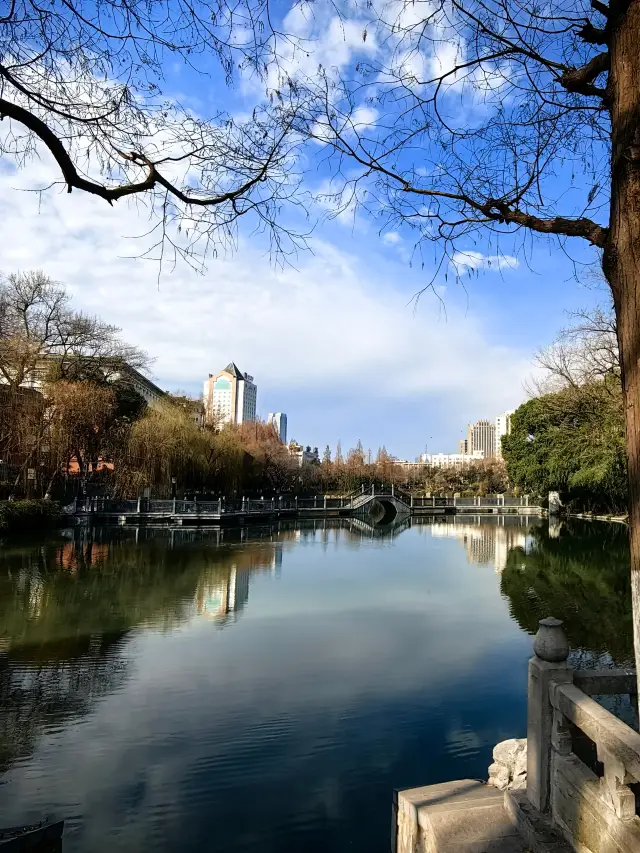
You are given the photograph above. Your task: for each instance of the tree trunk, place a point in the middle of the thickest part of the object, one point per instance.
(621, 262)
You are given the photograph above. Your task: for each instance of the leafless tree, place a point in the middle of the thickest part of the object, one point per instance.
(583, 353)
(41, 335)
(497, 117)
(84, 81)
(47, 348)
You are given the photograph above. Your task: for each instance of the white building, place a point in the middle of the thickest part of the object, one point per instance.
(119, 372)
(406, 465)
(147, 389)
(482, 436)
(503, 427)
(229, 397)
(451, 460)
(303, 455)
(279, 422)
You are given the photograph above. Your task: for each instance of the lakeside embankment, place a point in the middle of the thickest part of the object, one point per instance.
(29, 516)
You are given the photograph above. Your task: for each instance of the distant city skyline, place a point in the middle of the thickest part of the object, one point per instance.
(279, 422)
(483, 441)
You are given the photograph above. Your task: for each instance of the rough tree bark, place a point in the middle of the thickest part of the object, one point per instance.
(621, 262)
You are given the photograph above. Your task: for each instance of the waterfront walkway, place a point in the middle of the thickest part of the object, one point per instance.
(379, 504)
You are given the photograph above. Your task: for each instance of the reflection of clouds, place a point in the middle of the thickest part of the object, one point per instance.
(352, 660)
(196, 730)
(463, 741)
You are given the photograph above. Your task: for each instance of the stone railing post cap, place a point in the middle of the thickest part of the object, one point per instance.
(550, 643)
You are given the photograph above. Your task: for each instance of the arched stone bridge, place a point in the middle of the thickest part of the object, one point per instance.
(381, 509)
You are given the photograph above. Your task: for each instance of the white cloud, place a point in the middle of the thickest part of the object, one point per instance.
(314, 39)
(363, 117)
(472, 260)
(336, 324)
(391, 238)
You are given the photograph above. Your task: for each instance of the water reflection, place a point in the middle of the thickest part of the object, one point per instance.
(487, 540)
(579, 572)
(183, 673)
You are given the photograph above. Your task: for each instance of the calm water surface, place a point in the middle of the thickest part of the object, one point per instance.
(268, 689)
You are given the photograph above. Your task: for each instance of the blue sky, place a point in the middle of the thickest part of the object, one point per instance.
(335, 340)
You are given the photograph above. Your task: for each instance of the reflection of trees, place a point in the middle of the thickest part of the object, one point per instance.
(580, 575)
(35, 695)
(66, 608)
(105, 583)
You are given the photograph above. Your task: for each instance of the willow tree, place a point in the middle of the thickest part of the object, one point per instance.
(474, 119)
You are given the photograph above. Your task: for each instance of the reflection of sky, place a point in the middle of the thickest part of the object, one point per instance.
(356, 671)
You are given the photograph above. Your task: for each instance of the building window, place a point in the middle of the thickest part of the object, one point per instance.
(222, 384)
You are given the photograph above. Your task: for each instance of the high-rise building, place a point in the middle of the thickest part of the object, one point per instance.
(229, 397)
(279, 422)
(463, 446)
(503, 427)
(483, 437)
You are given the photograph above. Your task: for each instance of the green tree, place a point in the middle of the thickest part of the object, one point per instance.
(573, 442)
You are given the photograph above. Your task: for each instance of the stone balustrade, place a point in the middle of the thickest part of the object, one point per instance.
(583, 763)
(581, 789)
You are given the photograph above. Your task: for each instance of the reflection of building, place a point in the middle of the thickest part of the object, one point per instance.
(223, 591)
(230, 397)
(222, 599)
(487, 543)
(278, 421)
(503, 427)
(276, 563)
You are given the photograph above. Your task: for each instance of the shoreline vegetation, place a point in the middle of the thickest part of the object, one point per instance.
(72, 425)
(29, 516)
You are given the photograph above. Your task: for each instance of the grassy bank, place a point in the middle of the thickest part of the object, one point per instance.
(28, 516)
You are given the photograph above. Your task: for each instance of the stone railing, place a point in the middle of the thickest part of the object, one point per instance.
(583, 763)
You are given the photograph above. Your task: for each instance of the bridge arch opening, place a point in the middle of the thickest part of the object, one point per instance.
(382, 512)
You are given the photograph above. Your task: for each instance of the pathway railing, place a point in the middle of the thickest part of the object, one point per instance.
(583, 762)
(226, 506)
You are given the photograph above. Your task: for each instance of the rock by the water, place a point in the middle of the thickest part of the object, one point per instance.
(498, 776)
(509, 768)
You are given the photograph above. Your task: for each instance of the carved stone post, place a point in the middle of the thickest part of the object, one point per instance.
(549, 664)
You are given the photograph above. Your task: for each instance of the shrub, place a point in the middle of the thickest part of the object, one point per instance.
(28, 516)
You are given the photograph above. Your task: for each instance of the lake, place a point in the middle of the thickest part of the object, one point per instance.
(265, 689)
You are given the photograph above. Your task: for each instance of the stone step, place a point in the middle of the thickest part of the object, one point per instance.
(534, 828)
(465, 816)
